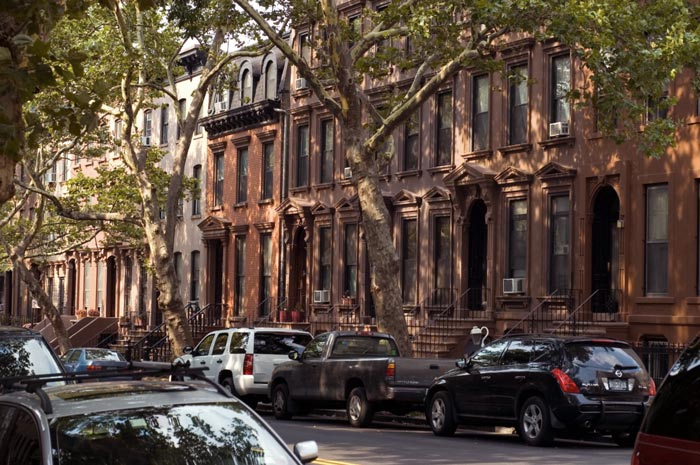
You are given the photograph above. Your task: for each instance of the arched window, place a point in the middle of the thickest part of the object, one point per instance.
(270, 81)
(247, 87)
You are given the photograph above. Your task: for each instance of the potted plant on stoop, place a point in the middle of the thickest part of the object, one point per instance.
(347, 300)
(297, 315)
(283, 315)
(93, 312)
(80, 313)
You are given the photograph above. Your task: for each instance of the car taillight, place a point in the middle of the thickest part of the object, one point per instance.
(565, 382)
(390, 368)
(652, 387)
(248, 364)
(94, 367)
(635, 458)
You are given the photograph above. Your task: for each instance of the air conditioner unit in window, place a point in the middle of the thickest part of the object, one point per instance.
(146, 141)
(558, 129)
(513, 285)
(221, 106)
(347, 172)
(300, 83)
(322, 296)
(50, 177)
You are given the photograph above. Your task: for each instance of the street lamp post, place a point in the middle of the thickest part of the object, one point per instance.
(478, 336)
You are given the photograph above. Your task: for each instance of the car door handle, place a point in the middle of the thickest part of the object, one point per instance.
(486, 378)
(202, 362)
(219, 361)
(520, 378)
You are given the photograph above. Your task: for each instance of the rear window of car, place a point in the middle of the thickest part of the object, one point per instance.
(279, 343)
(23, 356)
(602, 355)
(363, 346)
(675, 411)
(96, 354)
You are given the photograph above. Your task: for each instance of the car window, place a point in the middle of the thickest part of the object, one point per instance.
(203, 434)
(543, 351)
(19, 437)
(602, 355)
(238, 343)
(314, 349)
(103, 354)
(220, 344)
(518, 353)
(363, 346)
(675, 411)
(488, 355)
(74, 356)
(26, 356)
(279, 343)
(204, 345)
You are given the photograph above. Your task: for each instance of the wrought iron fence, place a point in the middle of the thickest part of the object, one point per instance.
(658, 357)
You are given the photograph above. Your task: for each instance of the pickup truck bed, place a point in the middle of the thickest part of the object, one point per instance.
(362, 372)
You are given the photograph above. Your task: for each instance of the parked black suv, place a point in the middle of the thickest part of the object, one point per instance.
(545, 385)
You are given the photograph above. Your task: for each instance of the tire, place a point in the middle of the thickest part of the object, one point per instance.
(251, 401)
(280, 402)
(440, 414)
(534, 425)
(227, 383)
(360, 410)
(625, 439)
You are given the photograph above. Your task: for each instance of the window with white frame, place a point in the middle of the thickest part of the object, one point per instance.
(656, 259)
(518, 105)
(517, 238)
(559, 238)
(246, 87)
(327, 140)
(559, 89)
(218, 179)
(242, 175)
(409, 259)
(270, 80)
(480, 112)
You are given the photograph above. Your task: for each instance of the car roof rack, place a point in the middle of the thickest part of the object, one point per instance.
(34, 384)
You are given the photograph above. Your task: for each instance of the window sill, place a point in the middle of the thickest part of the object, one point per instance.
(196, 217)
(217, 208)
(478, 154)
(408, 174)
(655, 300)
(557, 141)
(440, 169)
(266, 202)
(324, 186)
(345, 182)
(516, 148)
(299, 190)
(240, 205)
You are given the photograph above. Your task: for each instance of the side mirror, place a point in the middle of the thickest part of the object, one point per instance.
(294, 355)
(306, 451)
(188, 350)
(461, 363)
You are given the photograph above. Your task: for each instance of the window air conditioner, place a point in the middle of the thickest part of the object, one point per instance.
(221, 106)
(146, 141)
(558, 129)
(322, 296)
(300, 83)
(50, 177)
(514, 285)
(347, 172)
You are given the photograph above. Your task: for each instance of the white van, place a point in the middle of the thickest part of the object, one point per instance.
(242, 359)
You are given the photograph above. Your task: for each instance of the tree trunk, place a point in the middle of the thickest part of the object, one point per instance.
(169, 300)
(47, 306)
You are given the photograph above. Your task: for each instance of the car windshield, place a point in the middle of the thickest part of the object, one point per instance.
(196, 434)
(26, 356)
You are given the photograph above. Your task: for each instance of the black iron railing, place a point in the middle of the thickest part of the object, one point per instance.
(658, 357)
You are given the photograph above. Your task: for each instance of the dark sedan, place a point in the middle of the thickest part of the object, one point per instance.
(83, 360)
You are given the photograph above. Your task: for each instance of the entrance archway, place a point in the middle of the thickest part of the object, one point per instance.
(477, 250)
(605, 251)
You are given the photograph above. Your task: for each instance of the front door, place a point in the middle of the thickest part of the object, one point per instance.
(477, 256)
(604, 251)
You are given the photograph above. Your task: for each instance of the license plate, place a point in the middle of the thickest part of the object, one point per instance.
(617, 384)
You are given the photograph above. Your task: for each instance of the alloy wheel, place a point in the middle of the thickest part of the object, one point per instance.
(355, 408)
(438, 412)
(532, 421)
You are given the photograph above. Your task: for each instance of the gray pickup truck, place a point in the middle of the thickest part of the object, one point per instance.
(360, 371)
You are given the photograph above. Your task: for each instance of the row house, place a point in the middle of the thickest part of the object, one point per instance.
(504, 198)
(115, 281)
